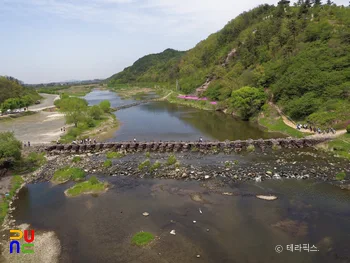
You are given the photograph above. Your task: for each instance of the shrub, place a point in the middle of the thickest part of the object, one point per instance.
(340, 176)
(93, 180)
(96, 112)
(144, 164)
(251, 148)
(76, 159)
(148, 155)
(247, 101)
(155, 166)
(105, 105)
(10, 147)
(348, 129)
(114, 155)
(171, 160)
(107, 163)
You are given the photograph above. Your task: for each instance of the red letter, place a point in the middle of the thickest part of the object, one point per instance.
(31, 236)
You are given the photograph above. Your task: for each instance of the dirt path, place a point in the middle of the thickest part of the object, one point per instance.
(47, 102)
(293, 125)
(165, 97)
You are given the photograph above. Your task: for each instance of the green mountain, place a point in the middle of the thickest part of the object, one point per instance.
(298, 56)
(160, 67)
(14, 95)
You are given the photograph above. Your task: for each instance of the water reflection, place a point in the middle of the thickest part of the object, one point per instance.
(242, 228)
(165, 121)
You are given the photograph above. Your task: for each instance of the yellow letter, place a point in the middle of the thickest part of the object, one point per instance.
(16, 231)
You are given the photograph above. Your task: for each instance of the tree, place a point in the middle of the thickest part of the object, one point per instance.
(329, 2)
(318, 2)
(75, 109)
(96, 112)
(10, 147)
(247, 101)
(105, 105)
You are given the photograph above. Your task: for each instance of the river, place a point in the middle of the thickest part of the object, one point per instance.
(236, 228)
(166, 121)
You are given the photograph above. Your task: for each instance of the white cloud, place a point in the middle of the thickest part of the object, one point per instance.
(176, 16)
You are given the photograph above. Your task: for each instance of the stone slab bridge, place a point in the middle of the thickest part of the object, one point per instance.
(170, 146)
(135, 104)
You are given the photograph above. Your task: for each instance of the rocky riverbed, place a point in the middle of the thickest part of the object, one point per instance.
(258, 166)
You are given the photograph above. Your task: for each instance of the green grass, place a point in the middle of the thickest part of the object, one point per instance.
(340, 176)
(279, 126)
(171, 160)
(142, 238)
(251, 148)
(16, 182)
(341, 146)
(107, 163)
(74, 133)
(68, 173)
(155, 166)
(148, 155)
(91, 186)
(275, 147)
(194, 149)
(114, 155)
(76, 159)
(30, 163)
(203, 105)
(227, 164)
(274, 123)
(146, 163)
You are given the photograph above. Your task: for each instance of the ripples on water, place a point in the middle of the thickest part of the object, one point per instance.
(242, 228)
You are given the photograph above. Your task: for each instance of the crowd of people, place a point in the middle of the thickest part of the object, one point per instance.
(315, 129)
(85, 141)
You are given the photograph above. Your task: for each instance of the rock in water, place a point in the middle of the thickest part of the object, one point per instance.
(173, 232)
(267, 197)
(145, 214)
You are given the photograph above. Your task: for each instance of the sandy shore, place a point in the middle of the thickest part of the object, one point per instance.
(42, 127)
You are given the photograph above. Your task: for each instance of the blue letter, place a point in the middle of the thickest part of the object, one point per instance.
(11, 248)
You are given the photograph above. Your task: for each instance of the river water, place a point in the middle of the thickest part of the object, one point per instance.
(237, 228)
(166, 121)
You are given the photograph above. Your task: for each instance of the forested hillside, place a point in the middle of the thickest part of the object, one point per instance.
(13, 95)
(160, 67)
(298, 56)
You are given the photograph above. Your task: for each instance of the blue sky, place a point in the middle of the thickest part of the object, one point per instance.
(58, 40)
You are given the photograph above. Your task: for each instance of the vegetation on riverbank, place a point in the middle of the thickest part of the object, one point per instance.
(114, 155)
(202, 105)
(340, 146)
(270, 119)
(13, 95)
(71, 90)
(297, 54)
(88, 121)
(142, 238)
(16, 182)
(92, 186)
(135, 91)
(68, 173)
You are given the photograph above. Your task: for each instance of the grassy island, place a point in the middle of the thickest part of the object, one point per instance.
(68, 173)
(142, 238)
(92, 186)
